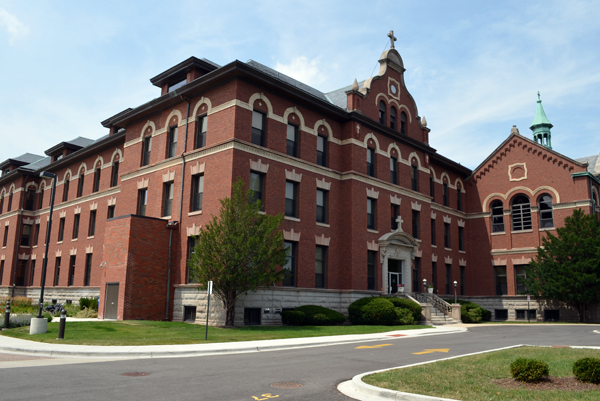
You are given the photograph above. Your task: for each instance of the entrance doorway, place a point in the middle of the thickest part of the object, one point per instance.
(394, 275)
(111, 305)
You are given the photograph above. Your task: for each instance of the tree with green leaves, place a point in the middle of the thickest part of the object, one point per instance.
(567, 266)
(239, 250)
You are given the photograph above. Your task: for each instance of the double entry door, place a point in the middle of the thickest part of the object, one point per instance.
(394, 275)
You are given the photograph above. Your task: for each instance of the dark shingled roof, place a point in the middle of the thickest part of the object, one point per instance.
(339, 97)
(591, 161)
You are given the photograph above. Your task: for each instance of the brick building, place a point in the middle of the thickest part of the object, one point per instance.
(368, 203)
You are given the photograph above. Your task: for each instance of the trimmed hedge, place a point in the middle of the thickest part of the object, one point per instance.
(587, 370)
(292, 318)
(312, 315)
(383, 311)
(470, 312)
(408, 304)
(529, 370)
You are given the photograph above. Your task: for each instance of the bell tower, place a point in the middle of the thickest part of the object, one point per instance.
(541, 126)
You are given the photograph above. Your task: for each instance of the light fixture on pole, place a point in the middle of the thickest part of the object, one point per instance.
(425, 288)
(455, 290)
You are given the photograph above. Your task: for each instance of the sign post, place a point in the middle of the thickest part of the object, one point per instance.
(528, 310)
(208, 292)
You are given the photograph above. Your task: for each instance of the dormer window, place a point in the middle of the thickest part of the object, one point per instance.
(57, 157)
(177, 85)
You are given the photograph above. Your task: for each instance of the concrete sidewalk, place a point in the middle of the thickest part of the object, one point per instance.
(13, 345)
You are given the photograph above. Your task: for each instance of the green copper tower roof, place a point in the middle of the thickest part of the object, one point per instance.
(541, 126)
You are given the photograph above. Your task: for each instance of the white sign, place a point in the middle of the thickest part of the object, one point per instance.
(528, 297)
(210, 287)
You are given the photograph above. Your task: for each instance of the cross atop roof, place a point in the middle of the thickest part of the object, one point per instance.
(392, 39)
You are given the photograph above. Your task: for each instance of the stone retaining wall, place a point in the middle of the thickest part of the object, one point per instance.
(60, 294)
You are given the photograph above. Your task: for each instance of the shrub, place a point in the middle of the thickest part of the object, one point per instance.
(470, 312)
(404, 316)
(319, 316)
(529, 370)
(91, 303)
(292, 318)
(587, 370)
(404, 303)
(354, 310)
(87, 313)
(379, 311)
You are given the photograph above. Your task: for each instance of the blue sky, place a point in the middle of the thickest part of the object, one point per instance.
(473, 67)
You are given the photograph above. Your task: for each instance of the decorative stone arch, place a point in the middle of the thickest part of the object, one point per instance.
(325, 124)
(173, 113)
(67, 173)
(117, 155)
(370, 135)
(98, 159)
(595, 191)
(294, 110)
(386, 99)
(11, 189)
(397, 245)
(462, 184)
(416, 156)
(432, 172)
(145, 132)
(394, 146)
(541, 189)
(403, 107)
(261, 96)
(31, 184)
(445, 174)
(42, 186)
(203, 100)
(84, 169)
(3, 193)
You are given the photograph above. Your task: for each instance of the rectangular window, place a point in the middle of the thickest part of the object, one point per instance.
(446, 235)
(522, 314)
(201, 132)
(142, 201)
(258, 128)
(5, 240)
(446, 202)
(462, 280)
(432, 188)
(26, 235)
(321, 206)
(320, 266)
(371, 162)
(519, 276)
(41, 200)
(289, 270)
(10, 202)
(80, 185)
(146, 150)
(500, 314)
(21, 272)
(448, 279)
(92, 228)
(61, 229)
(36, 235)
(461, 239)
(322, 151)
(414, 178)
(434, 276)
(114, 178)
(257, 185)
(371, 258)
(57, 272)
(393, 170)
(191, 245)
(30, 200)
(291, 199)
(97, 180)
(172, 144)
(88, 269)
(1, 270)
(76, 226)
(72, 270)
(197, 192)
(500, 280)
(111, 212)
(432, 231)
(371, 213)
(292, 140)
(417, 276)
(395, 212)
(459, 199)
(65, 191)
(415, 224)
(1, 204)
(168, 189)
(31, 272)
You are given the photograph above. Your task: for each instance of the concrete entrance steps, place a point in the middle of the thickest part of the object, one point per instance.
(439, 319)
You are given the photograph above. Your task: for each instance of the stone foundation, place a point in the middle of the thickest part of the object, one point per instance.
(60, 294)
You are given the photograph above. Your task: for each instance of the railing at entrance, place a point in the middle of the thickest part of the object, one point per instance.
(436, 301)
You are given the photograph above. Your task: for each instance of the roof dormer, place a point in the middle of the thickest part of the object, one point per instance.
(183, 73)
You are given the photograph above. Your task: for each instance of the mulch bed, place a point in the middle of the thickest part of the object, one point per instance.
(550, 383)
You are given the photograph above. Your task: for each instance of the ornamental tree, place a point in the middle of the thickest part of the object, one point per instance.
(239, 250)
(567, 266)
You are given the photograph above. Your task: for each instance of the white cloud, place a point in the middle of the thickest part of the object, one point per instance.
(304, 70)
(13, 26)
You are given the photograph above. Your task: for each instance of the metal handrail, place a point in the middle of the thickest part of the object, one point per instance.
(436, 301)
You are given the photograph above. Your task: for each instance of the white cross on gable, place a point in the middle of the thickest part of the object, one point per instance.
(399, 221)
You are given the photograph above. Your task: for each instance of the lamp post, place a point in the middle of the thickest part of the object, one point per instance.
(425, 288)
(455, 291)
(46, 174)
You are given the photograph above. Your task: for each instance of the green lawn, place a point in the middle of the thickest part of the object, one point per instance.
(469, 378)
(145, 332)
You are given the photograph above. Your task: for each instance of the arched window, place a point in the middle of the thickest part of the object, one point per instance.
(393, 118)
(521, 213)
(382, 112)
(403, 123)
(545, 210)
(594, 205)
(497, 216)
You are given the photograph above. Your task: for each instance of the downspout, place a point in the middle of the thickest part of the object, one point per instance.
(18, 238)
(173, 224)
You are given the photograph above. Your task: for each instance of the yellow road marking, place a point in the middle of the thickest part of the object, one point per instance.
(372, 346)
(431, 351)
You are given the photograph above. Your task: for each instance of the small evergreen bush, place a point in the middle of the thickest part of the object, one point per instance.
(379, 312)
(529, 370)
(315, 315)
(404, 303)
(404, 316)
(587, 370)
(470, 312)
(91, 303)
(292, 318)
(354, 310)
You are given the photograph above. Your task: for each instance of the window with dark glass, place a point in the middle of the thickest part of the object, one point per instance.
(1, 270)
(520, 275)
(461, 239)
(497, 216)
(31, 272)
(41, 199)
(403, 123)
(191, 249)
(289, 269)
(414, 177)
(57, 271)
(30, 199)
(97, 180)
(446, 197)
(415, 223)
(258, 130)
(434, 276)
(459, 198)
(76, 226)
(146, 150)
(291, 199)
(177, 85)
(432, 231)
(72, 270)
(1, 204)
(371, 162)
(395, 212)
(257, 186)
(114, 179)
(446, 235)
(417, 275)
(172, 144)
(197, 192)
(393, 118)
(382, 112)
(61, 229)
(432, 188)
(21, 272)
(80, 184)
(142, 201)
(110, 212)
(88, 269)
(521, 213)
(5, 240)
(65, 190)
(201, 132)
(10, 198)
(371, 257)
(371, 213)
(36, 235)
(448, 279)
(394, 170)
(500, 280)
(322, 151)
(320, 266)
(92, 227)
(462, 280)
(26, 235)
(545, 210)
(168, 189)
(292, 140)
(321, 206)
